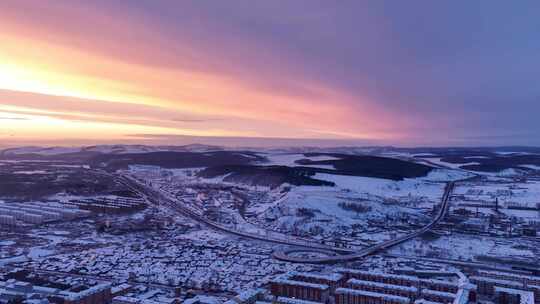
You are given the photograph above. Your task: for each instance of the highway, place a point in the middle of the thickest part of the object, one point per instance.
(283, 256)
(160, 198)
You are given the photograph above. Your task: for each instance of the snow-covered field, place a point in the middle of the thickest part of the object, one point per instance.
(526, 193)
(429, 186)
(465, 247)
(323, 210)
(438, 161)
(374, 209)
(288, 159)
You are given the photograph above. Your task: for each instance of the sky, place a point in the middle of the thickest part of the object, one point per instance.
(366, 72)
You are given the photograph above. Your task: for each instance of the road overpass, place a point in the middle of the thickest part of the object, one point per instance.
(284, 256)
(161, 198)
(343, 254)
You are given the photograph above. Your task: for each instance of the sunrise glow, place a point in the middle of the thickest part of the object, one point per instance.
(120, 69)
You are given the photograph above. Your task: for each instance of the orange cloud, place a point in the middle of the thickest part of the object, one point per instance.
(56, 62)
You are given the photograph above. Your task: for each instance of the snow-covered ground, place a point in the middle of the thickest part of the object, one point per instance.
(325, 215)
(466, 247)
(438, 161)
(288, 159)
(429, 186)
(323, 210)
(507, 191)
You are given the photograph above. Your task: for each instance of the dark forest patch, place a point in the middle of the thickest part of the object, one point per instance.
(368, 166)
(271, 176)
(172, 160)
(495, 163)
(352, 165)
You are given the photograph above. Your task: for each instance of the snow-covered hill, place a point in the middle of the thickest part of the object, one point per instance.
(107, 149)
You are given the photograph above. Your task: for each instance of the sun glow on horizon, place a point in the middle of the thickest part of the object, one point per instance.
(31, 64)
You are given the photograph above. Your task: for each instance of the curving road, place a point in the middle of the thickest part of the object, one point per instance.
(283, 256)
(160, 198)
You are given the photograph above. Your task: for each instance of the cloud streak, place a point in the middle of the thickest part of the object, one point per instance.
(367, 70)
(12, 118)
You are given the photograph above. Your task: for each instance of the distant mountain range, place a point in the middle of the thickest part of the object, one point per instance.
(373, 150)
(258, 166)
(107, 149)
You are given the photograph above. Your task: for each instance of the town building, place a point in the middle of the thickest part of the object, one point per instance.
(354, 296)
(283, 287)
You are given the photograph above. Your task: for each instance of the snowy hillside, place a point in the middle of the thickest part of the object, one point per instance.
(369, 208)
(107, 149)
